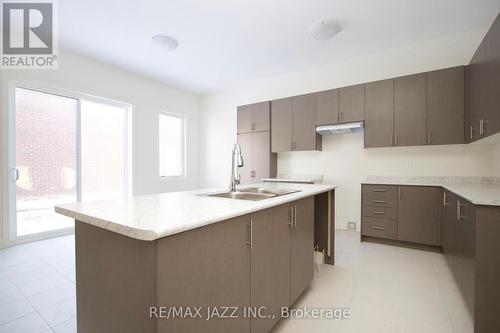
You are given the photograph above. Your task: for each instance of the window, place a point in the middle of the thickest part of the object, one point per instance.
(172, 145)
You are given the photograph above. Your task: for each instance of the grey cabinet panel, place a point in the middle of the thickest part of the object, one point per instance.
(304, 122)
(261, 156)
(244, 118)
(445, 106)
(245, 140)
(221, 252)
(352, 103)
(379, 227)
(418, 214)
(270, 262)
(261, 116)
(491, 118)
(327, 107)
(410, 110)
(301, 245)
(281, 125)
(475, 93)
(254, 117)
(448, 226)
(379, 114)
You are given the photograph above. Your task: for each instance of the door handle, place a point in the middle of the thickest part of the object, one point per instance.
(294, 216)
(250, 242)
(378, 201)
(14, 174)
(378, 213)
(378, 228)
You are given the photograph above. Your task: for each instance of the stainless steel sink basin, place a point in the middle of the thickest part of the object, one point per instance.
(267, 190)
(242, 195)
(252, 193)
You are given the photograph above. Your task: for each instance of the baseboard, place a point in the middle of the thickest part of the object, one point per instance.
(408, 245)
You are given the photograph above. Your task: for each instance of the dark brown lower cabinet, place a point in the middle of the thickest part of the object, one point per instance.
(301, 244)
(418, 214)
(459, 237)
(270, 265)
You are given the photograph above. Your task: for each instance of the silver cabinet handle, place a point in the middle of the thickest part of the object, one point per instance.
(294, 216)
(378, 201)
(471, 132)
(378, 228)
(429, 137)
(379, 190)
(290, 217)
(445, 203)
(379, 213)
(250, 242)
(399, 193)
(458, 210)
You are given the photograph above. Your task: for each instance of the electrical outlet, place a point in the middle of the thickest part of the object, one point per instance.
(351, 225)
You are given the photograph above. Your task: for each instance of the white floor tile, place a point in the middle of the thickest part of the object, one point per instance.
(34, 287)
(66, 327)
(15, 310)
(60, 312)
(52, 296)
(31, 323)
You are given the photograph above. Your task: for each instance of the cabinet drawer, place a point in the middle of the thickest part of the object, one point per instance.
(379, 212)
(381, 228)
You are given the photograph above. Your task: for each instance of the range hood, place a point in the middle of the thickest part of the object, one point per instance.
(340, 128)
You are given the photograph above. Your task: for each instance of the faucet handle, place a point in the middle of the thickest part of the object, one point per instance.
(237, 179)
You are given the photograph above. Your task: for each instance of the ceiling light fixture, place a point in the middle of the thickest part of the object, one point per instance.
(324, 30)
(166, 42)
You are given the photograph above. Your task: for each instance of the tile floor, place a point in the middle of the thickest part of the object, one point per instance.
(388, 289)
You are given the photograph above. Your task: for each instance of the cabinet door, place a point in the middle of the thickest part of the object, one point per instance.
(261, 152)
(327, 107)
(410, 110)
(379, 114)
(261, 116)
(281, 125)
(304, 122)
(475, 93)
(491, 121)
(270, 264)
(445, 106)
(221, 252)
(244, 118)
(245, 140)
(301, 247)
(449, 224)
(466, 248)
(352, 103)
(418, 214)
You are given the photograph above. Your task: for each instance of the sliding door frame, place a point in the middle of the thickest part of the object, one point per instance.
(9, 190)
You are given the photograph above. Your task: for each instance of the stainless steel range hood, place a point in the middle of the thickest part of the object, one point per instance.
(340, 128)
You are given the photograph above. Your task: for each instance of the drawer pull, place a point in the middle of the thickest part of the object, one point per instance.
(378, 201)
(378, 228)
(377, 212)
(379, 190)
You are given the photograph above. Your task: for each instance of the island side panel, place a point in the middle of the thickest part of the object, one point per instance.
(206, 267)
(324, 224)
(115, 281)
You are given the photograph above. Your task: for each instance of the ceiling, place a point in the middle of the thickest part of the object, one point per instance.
(222, 42)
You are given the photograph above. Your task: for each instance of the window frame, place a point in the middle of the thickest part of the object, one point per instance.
(184, 147)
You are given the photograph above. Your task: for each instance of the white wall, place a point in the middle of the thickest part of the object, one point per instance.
(147, 97)
(343, 160)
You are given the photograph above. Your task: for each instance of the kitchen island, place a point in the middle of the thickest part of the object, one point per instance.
(190, 262)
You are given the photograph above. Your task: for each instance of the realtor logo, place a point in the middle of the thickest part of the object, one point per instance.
(28, 34)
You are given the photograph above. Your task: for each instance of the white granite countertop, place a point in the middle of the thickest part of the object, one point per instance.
(478, 190)
(151, 217)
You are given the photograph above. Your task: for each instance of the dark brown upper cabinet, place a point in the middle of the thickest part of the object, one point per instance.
(293, 124)
(254, 117)
(352, 103)
(379, 114)
(445, 106)
(281, 125)
(410, 110)
(483, 87)
(327, 107)
(304, 135)
(491, 121)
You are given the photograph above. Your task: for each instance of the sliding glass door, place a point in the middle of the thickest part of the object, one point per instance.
(65, 149)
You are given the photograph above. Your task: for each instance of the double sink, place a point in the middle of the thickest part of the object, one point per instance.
(252, 193)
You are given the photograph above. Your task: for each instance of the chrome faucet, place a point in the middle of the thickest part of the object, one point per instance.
(235, 176)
